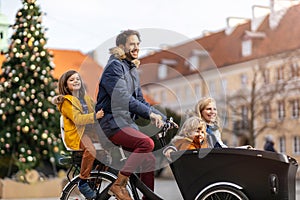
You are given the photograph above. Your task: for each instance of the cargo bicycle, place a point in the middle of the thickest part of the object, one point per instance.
(202, 174)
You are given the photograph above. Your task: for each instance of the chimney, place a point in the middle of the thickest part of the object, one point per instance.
(278, 9)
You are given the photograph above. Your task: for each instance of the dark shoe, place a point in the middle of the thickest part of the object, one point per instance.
(87, 191)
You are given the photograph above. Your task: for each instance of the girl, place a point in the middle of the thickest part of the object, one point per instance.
(78, 113)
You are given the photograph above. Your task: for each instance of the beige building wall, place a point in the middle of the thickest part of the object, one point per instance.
(182, 93)
(239, 77)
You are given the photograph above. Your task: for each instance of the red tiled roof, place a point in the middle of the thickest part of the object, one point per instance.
(226, 49)
(73, 59)
(89, 70)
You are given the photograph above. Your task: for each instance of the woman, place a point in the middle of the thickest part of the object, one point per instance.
(78, 113)
(206, 109)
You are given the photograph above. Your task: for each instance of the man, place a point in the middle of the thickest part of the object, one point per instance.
(121, 98)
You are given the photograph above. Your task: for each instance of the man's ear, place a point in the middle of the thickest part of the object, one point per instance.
(122, 46)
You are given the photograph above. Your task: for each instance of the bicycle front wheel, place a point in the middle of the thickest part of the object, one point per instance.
(99, 181)
(223, 192)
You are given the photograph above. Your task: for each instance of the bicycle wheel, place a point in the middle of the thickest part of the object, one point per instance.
(223, 192)
(99, 181)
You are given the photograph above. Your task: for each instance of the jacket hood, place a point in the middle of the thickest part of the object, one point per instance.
(117, 52)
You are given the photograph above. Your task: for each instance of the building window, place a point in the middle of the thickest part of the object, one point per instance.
(196, 56)
(247, 48)
(244, 111)
(224, 84)
(282, 146)
(188, 93)
(281, 110)
(163, 97)
(1, 35)
(267, 113)
(155, 97)
(194, 62)
(295, 108)
(296, 144)
(212, 88)
(178, 94)
(294, 70)
(280, 73)
(162, 71)
(266, 75)
(197, 90)
(244, 80)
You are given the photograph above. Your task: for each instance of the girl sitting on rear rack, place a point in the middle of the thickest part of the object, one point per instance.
(79, 117)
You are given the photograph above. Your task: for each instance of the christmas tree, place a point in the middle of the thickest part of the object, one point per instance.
(29, 132)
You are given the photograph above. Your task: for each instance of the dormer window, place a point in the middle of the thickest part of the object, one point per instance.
(162, 71)
(247, 47)
(163, 67)
(247, 41)
(194, 62)
(195, 58)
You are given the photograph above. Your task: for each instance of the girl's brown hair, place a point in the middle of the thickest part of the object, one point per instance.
(62, 84)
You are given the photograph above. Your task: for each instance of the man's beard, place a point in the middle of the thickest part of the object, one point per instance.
(129, 56)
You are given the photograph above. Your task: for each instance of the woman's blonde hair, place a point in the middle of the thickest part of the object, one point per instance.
(202, 104)
(190, 125)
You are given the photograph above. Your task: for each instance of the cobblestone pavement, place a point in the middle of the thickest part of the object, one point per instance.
(167, 188)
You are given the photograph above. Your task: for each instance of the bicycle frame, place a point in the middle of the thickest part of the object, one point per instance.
(136, 183)
(134, 186)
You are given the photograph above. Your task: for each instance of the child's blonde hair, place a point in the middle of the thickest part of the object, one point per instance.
(190, 125)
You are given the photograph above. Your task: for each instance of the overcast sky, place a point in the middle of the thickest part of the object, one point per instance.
(86, 25)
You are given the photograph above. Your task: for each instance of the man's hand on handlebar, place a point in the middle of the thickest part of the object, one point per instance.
(157, 120)
(170, 123)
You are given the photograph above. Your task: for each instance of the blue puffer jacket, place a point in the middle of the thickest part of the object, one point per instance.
(120, 97)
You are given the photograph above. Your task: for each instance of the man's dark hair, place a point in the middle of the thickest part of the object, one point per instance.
(122, 37)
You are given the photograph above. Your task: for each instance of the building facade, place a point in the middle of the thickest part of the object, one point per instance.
(251, 69)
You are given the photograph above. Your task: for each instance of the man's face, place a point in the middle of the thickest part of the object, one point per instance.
(132, 47)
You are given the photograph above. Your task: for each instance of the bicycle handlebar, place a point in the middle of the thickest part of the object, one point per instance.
(168, 124)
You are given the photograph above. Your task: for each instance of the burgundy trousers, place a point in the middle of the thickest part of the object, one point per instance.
(141, 157)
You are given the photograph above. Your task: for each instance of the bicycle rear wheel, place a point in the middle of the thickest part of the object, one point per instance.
(99, 181)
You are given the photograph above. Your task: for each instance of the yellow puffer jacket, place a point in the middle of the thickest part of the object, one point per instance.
(74, 118)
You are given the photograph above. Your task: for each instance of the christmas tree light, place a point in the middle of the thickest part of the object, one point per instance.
(29, 122)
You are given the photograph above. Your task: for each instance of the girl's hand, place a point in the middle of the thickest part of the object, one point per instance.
(99, 114)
